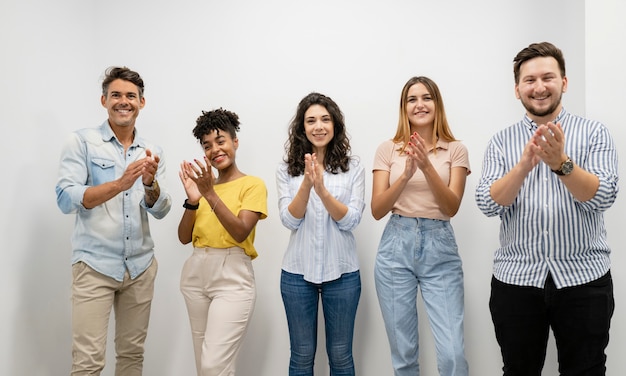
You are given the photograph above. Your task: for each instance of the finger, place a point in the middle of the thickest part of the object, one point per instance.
(196, 172)
(185, 171)
(203, 167)
(557, 131)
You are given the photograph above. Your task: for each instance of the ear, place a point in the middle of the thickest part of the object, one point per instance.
(236, 143)
(517, 91)
(142, 102)
(564, 84)
(103, 100)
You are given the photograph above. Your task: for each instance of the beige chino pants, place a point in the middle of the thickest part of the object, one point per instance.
(220, 292)
(93, 296)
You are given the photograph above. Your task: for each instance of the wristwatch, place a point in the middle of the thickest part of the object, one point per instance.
(566, 168)
(152, 186)
(189, 206)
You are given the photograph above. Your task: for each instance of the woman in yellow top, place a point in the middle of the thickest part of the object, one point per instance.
(220, 217)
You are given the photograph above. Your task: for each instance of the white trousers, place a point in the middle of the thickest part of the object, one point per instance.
(220, 292)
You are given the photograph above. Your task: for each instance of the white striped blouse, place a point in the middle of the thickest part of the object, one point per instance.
(545, 230)
(320, 248)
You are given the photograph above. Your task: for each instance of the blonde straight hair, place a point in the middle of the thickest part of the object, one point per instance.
(441, 128)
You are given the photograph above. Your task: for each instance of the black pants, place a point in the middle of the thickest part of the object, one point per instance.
(579, 316)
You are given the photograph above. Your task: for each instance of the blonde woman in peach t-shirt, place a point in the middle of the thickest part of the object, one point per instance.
(419, 176)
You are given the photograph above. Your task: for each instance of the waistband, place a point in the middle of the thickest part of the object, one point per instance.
(227, 251)
(422, 223)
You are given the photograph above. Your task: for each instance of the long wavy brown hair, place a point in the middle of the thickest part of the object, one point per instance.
(337, 155)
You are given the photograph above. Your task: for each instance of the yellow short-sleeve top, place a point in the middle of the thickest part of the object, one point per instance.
(245, 193)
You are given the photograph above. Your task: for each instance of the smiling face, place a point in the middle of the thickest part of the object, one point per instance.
(220, 148)
(318, 127)
(540, 88)
(420, 107)
(123, 103)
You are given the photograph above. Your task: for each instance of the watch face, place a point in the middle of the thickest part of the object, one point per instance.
(567, 167)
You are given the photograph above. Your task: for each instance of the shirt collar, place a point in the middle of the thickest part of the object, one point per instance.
(441, 144)
(108, 135)
(528, 122)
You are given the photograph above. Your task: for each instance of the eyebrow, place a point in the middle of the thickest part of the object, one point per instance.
(126, 93)
(218, 137)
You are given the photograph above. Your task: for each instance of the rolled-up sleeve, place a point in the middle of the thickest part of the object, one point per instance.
(72, 176)
(356, 205)
(602, 161)
(285, 196)
(493, 168)
(163, 204)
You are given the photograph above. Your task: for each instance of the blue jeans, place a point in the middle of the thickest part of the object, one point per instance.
(421, 253)
(579, 316)
(340, 299)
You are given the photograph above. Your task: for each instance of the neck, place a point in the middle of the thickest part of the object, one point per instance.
(228, 174)
(539, 120)
(425, 132)
(319, 154)
(125, 135)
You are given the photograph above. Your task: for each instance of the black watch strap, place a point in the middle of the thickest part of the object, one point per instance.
(566, 168)
(189, 206)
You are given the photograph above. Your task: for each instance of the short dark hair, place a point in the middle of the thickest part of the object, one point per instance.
(121, 73)
(543, 49)
(216, 120)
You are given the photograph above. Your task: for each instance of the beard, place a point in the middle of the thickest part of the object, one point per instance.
(542, 112)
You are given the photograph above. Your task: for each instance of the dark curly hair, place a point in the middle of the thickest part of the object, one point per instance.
(122, 73)
(297, 145)
(216, 120)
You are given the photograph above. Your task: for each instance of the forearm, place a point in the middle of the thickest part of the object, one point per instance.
(505, 190)
(335, 208)
(100, 194)
(582, 184)
(298, 204)
(447, 200)
(239, 227)
(384, 199)
(185, 227)
(152, 193)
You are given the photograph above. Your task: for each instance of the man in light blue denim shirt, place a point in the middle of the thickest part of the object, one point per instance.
(108, 177)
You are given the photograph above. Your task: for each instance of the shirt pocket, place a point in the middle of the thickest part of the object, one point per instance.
(103, 170)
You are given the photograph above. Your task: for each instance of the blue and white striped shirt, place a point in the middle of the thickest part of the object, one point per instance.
(546, 229)
(320, 248)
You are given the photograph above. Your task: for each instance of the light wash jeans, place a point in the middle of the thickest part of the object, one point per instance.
(340, 299)
(421, 253)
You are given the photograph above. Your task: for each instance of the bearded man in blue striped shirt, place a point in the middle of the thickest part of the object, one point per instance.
(550, 177)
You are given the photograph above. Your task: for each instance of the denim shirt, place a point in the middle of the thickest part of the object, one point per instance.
(114, 236)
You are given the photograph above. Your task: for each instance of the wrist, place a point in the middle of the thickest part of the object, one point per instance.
(190, 205)
(154, 185)
(565, 168)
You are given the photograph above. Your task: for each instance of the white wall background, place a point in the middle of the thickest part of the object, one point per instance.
(259, 59)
